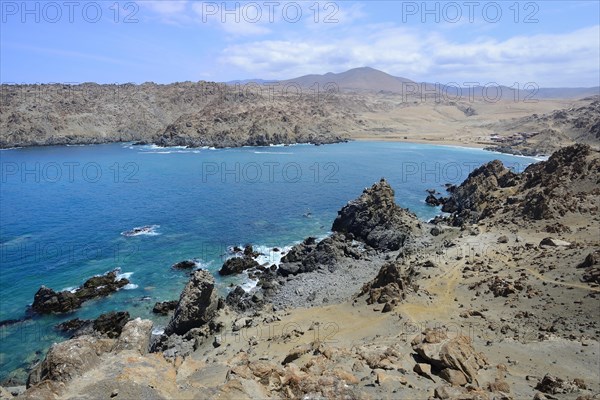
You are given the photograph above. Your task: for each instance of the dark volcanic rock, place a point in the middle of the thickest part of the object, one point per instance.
(100, 286)
(48, 301)
(73, 325)
(310, 256)
(111, 324)
(186, 264)
(475, 198)
(432, 200)
(237, 265)
(376, 219)
(163, 307)
(197, 305)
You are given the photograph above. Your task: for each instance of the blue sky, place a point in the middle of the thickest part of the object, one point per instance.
(551, 43)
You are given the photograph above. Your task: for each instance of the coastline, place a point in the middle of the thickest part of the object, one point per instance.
(466, 276)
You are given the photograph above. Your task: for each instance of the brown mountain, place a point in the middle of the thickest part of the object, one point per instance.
(356, 79)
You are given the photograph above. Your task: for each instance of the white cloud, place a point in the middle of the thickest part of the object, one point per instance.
(569, 59)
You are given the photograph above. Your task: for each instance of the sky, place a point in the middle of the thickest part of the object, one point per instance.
(550, 43)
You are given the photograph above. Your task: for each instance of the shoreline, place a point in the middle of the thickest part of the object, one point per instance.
(466, 276)
(432, 142)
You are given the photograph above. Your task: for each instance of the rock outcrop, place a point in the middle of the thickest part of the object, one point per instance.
(311, 255)
(477, 196)
(453, 357)
(238, 265)
(185, 264)
(376, 219)
(135, 335)
(47, 300)
(70, 358)
(164, 307)
(565, 183)
(197, 305)
(389, 286)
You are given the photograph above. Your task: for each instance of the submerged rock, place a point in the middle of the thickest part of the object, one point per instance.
(186, 264)
(376, 219)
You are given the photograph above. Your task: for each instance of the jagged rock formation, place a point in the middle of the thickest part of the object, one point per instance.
(566, 182)
(197, 305)
(164, 307)
(376, 219)
(309, 255)
(238, 265)
(47, 300)
(389, 286)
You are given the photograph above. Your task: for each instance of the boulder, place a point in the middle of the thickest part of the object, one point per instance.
(432, 200)
(376, 219)
(197, 305)
(590, 260)
(237, 265)
(552, 242)
(185, 264)
(164, 307)
(111, 323)
(444, 352)
(135, 336)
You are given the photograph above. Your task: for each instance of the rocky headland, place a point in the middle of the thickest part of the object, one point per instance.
(198, 114)
(496, 299)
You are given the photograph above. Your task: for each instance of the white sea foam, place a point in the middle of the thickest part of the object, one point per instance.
(130, 286)
(158, 331)
(249, 285)
(150, 230)
(124, 275)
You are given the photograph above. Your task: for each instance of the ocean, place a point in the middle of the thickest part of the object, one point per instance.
(63, 210)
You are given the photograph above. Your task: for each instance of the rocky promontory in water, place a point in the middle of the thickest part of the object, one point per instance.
(497, 299)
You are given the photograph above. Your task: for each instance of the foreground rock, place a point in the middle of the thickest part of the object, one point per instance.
(454, 358)
(389, 286)
(48, 301)
(197, 305)
(376, 219)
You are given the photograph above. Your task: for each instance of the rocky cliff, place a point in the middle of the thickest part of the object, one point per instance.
(191, 114)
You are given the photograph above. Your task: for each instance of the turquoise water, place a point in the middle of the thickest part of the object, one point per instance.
(62, 211)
